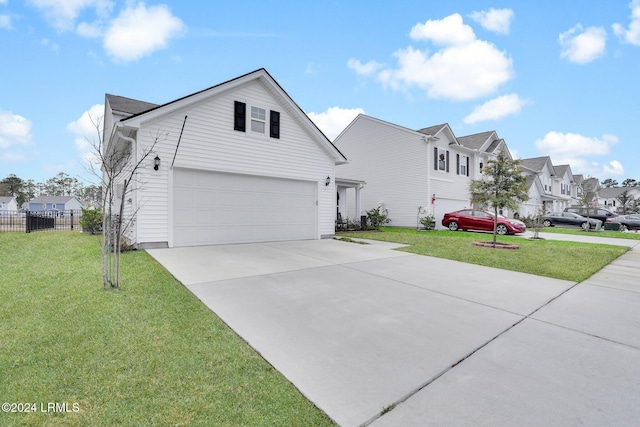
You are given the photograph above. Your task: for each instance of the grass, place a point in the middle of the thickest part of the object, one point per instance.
(558, 259)
(580, 232)
(149, 354)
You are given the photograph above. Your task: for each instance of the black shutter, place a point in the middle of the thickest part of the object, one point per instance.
(467, 166)
(447, 164)
(435, 158)
(274, 129)
(458, 164)
(239, 116)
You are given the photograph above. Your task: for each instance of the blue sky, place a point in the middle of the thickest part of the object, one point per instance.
(551, 78)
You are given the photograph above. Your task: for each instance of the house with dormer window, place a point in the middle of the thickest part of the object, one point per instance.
(235, 163)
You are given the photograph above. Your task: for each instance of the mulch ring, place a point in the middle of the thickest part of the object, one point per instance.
(497, 245)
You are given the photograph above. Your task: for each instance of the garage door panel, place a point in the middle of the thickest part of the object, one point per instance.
(218, 208)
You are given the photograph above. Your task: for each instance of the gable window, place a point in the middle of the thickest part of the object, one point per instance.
(239, 116)
(441, 159)
(258, 119)
(274, 124)
(462, 164)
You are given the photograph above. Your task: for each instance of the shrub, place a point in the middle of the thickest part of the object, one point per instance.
(428, 222)
(376, 217)
(91, 220)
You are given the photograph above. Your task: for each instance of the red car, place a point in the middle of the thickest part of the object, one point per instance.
(474, 219)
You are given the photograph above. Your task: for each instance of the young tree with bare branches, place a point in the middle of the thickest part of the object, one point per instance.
(117, 166)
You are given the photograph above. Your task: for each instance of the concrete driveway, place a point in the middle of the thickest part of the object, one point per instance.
(363, 329)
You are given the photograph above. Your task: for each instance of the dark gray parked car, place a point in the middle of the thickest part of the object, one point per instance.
(569, 219)
(627, 222)
(597, 213)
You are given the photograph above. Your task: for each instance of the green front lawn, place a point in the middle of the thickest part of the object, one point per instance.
(580, 232)
(561, 260)
(149, 354)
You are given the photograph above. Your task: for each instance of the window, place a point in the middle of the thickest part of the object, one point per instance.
(462, 164)
(258, 119)
(441, 159)
(239, 116)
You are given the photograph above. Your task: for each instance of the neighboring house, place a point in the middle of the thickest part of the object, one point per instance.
(609, 197)
(238, 162)
(411, 173)
(8, 204)
(54, 203)
(551, 188)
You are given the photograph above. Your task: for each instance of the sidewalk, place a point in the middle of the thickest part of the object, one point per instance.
(574, 361)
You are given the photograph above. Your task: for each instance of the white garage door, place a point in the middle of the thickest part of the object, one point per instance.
(218, 208)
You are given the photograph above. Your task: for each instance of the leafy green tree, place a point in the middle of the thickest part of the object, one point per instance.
(13, 186)
(630, 182)
(609, 183)
(626, 199)
(503, 187)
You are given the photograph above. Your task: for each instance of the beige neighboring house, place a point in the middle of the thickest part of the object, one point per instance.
(238, 162)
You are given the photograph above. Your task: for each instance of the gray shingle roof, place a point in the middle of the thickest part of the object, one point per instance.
(432, 130)
(560, 169)
(128, 105)
(535, 163)
(51, 199)
(476, 141)
(612, 192)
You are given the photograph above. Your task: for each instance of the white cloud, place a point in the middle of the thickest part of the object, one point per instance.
(90, 31)
(497, 108)
(86, 132)
(462, 68)
(614, 167)
(15, 133)
(363, 69)
(496, 20)
(140, 31)
(14, 130)
(581, 45)
(449, 31)
(575, 149)
(334, 120)
(461, 72)
(63, 13)
(5, 22)
(632, 35)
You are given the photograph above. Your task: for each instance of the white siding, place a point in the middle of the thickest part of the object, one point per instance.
(210, 143)
(393, 162)
(398, 166)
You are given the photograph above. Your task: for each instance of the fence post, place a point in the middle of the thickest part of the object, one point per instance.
(28, 221)
(72, 220)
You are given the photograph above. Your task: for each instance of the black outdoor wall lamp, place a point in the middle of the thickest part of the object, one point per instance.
(327, 181)
(156, 163)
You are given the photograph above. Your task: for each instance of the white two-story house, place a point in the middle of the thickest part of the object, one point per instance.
(410, 173)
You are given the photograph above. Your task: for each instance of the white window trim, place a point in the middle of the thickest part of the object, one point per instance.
(253, 119)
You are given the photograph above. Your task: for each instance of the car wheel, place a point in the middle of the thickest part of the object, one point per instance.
(453, 226)
(502, 229)
(585, 226)
(623, 227)
(546, 223)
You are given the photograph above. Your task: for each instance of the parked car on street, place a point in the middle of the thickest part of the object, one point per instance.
(569, 219)
(627, 222)
(475, 219)
(597, 213)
